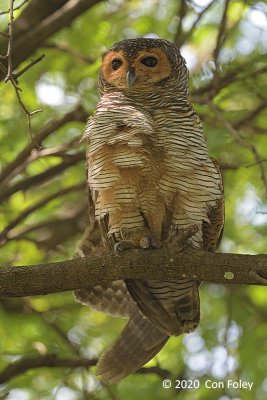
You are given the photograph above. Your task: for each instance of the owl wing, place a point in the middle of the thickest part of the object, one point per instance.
(173, 307)
(213, 231)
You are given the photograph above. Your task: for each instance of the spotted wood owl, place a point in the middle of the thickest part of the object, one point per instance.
(150, 177)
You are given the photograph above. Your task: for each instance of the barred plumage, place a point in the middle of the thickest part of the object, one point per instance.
(150, 174)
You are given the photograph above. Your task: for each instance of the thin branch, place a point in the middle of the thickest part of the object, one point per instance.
(33, 62)
(256, 163)
(161, 372)
(16, 8)
(69, 50)
(185, 36)
(57, 230)
(221, 33)
(52, 361)
(14, 168)
(231, 76)
(48, 174)
(74, 349)
(48, 360)
(251, 115)
(45, 21)
(25, 109)
(10, 42)
(13, 77)
(236, 135)
(179, 31)
(57, 151)
(162, 264)
(36, 206)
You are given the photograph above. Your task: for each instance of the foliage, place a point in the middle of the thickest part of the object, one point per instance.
(228, 64)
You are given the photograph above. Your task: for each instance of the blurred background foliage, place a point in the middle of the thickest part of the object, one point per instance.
(43, 210)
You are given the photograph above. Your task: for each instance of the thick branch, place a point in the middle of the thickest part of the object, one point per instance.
(39, 21)
(164, 263)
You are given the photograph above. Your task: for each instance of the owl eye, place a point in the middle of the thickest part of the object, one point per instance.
(116, 64)
(149, 61)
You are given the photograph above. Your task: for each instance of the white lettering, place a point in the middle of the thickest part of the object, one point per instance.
(214, 384)
(239, 384)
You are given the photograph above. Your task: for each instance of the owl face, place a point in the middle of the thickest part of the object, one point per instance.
(148, 67)
(143, 64)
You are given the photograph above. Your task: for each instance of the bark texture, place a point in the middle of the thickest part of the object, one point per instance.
(163, 263)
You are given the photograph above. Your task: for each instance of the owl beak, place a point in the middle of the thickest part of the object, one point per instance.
(130, 77)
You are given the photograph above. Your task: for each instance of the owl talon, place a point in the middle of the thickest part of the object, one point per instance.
(122, 245)
(155, 244)
(145, 242)
(148, 243)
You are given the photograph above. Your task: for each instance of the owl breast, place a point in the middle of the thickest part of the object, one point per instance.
(148, 169)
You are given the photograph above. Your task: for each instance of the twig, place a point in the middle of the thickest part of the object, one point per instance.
(3, 67)
(66, 49)
(182, 13)
(57, 230)
(13, 77)
(54, 326)
(256, 163)
(221, 33)
(43, 176)
(250, 115)
(57, 151)
(16, 8)
(15, 167)
(161, 372)
(241, 141)
(48, 360)
(37, 206)
(10, 43)
(185, 36)
(27, 112)
(33, 62)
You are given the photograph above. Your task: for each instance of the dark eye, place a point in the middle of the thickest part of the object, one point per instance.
(116, 64)
(149, 61)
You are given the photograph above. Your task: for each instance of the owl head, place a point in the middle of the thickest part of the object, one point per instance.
(143, 65)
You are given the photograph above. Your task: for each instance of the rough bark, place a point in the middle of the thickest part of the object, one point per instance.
(158, 264)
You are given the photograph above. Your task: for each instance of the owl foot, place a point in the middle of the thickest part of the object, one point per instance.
(123, 245)
(148, 243)
(145, 243)
(178, 239)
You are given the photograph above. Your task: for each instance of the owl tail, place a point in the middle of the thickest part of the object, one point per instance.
(138, 343)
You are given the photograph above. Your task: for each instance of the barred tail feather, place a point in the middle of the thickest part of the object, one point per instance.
(137, 344)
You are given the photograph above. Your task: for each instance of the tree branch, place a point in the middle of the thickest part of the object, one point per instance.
(48, 360)
(14, 168)
(165, 263)
(48, 174)
(29, 210)
(40, 20)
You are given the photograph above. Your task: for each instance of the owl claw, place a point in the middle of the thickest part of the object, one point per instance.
(147, 242)
(122, 245)
(155, 244)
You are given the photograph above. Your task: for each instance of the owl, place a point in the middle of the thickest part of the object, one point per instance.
(150, 179)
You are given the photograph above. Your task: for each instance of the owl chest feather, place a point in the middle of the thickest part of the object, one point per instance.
(154, 160)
